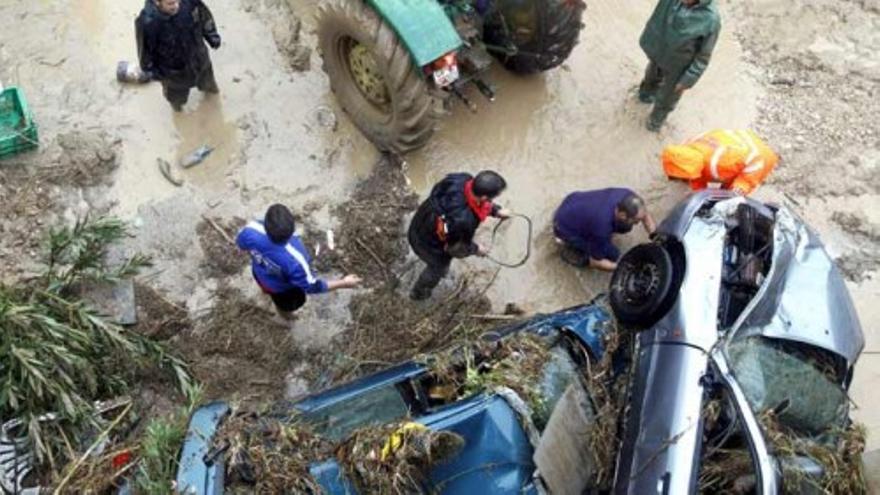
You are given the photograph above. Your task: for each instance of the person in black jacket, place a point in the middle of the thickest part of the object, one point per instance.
(171, 36)
(444, 225)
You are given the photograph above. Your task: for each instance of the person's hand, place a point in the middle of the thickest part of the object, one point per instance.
(504, 213)
(351, 281)
(482, 251)
(680, 88)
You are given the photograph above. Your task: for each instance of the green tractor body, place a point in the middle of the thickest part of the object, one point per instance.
(422, 25)
(397, 65)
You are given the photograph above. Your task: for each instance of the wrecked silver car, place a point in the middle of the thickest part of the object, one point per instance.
(747, 344)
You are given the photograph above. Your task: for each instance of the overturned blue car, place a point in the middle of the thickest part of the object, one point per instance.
(464, 391)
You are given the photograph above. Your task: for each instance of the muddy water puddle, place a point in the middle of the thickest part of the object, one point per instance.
(261, 127)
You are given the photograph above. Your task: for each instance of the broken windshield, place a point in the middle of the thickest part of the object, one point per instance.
(379, 406)
(793, 380)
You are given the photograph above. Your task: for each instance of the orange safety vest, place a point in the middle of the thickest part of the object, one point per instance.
(738, 159)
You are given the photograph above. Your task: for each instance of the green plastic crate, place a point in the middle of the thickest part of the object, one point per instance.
(18, 131)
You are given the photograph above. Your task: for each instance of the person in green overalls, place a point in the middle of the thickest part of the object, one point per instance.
(678, 40)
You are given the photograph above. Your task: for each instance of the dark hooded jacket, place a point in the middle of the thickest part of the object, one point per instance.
(680, 39)
(173, 47)
(447, 199)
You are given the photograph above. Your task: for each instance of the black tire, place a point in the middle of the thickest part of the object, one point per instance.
(543, 31)
(641, 285)
(408, 119)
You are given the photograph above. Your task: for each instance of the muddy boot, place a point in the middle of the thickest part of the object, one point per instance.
(435, 269)
(574, 257)
(284, 318)
(207, 83)
(650, 83)
(646, 98)
(653, 125)
(420, 294)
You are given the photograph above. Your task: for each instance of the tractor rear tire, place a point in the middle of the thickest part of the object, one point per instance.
(408, 112)
(545, 37)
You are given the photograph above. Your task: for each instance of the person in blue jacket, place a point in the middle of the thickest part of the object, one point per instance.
(280, 263)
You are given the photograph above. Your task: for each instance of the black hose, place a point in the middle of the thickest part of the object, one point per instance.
(528, 243)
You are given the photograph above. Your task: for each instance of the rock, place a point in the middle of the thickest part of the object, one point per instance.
(116, 301)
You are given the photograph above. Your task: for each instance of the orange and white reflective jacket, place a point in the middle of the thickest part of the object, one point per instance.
(738, 159)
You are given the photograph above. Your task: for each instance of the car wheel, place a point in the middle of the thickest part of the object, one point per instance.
(641, 285)
(374, 78)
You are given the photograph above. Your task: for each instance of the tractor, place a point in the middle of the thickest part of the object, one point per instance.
(397, 66)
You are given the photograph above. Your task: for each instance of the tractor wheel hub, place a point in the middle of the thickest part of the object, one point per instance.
(366, 74)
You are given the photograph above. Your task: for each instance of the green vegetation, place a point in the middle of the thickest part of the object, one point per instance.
(160, 449)
(57, 354)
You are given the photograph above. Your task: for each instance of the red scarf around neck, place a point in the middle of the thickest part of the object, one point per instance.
(483, 209)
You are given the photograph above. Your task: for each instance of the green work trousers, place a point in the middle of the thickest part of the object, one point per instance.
(660, 85)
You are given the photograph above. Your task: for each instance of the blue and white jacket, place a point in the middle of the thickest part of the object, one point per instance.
(279, 267)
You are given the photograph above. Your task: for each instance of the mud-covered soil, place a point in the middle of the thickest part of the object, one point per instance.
(84, 159)
(217, 239)
(158, 317)
(40, 188)
(821, 75)
(286, 31)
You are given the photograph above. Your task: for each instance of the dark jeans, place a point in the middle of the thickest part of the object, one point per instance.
(661, 85)
(437, 267)
(176, 89)
(289, 301)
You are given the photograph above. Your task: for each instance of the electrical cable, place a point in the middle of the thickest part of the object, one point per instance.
(528, 243)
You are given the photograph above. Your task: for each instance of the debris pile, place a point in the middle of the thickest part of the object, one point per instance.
(396, 458)
(388, 328)
(63, 358)
(217, 240)
(516, 362)
(239, 350)
(371, 239)
(837, 453)
(271, 455)
(34, 189)
(275, 456)
(608, 392)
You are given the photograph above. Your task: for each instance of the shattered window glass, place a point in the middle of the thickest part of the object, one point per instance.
(794, 384)
(379, 406)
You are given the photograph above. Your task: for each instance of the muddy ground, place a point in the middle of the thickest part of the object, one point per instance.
(803, 73)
